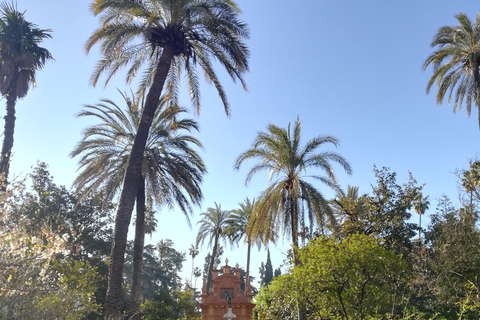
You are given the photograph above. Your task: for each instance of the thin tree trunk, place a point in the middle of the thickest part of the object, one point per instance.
(471, 201)
(210, 267)
(420, 226)
(193, 264)
(294, 222)
(138, 253)
(8, 138)
(113, 303)
(476, 76)
(247, 274)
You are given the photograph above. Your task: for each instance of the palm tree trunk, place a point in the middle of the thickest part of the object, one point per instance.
(138, 253)
(420, 226)
(193, 264)
(113, 302)
(476, 76)
(247, 275)
(294, 222)
(210, 267)
(8, 137)
(471, 200)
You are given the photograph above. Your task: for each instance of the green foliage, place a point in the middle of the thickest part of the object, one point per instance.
(262, 302)
(62, 289)
(162, 264)
(56, 242)
(266, 271)
(74, 294)
(385, 214)
(171, 306)
(454, 240)
(348, 279)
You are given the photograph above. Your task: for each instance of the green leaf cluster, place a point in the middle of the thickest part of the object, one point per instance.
(348, 279)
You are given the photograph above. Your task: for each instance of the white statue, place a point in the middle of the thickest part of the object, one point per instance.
(229, 315)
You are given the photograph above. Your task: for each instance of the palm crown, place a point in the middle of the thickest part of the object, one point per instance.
(135, 33)
(20, 58)
(456, 63)
(282, 203)
(212, 226)
(237, 228)
(169, 166)
(20, 52)
(420, 206)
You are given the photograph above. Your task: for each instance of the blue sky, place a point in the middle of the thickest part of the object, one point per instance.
(351, 69)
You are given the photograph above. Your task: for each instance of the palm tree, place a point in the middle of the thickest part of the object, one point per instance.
(237, 227)
(456, 63)
(193, 252)
(164, 37)
(20, 58)
(212, 226)
(290, 197)
(471, 180)
(171, 170)
(345, 204)
(420, 205)
(350, 206)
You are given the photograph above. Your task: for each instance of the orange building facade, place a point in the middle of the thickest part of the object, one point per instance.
(214, 305)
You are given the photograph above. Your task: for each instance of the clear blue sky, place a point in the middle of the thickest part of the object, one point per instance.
(352, 69)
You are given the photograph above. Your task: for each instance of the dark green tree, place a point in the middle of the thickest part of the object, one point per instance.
(454, 240)
(166, 36)
(277, 272)
(266, 271)
(20, 58)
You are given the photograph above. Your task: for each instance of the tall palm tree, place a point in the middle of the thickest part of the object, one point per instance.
(212, 226)
(471, 180)
(162, 37)
(193, 252)
(20, 58)
(171, 170)
(290, 199)
(237, 229)
(456, 63)
(420, 206)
